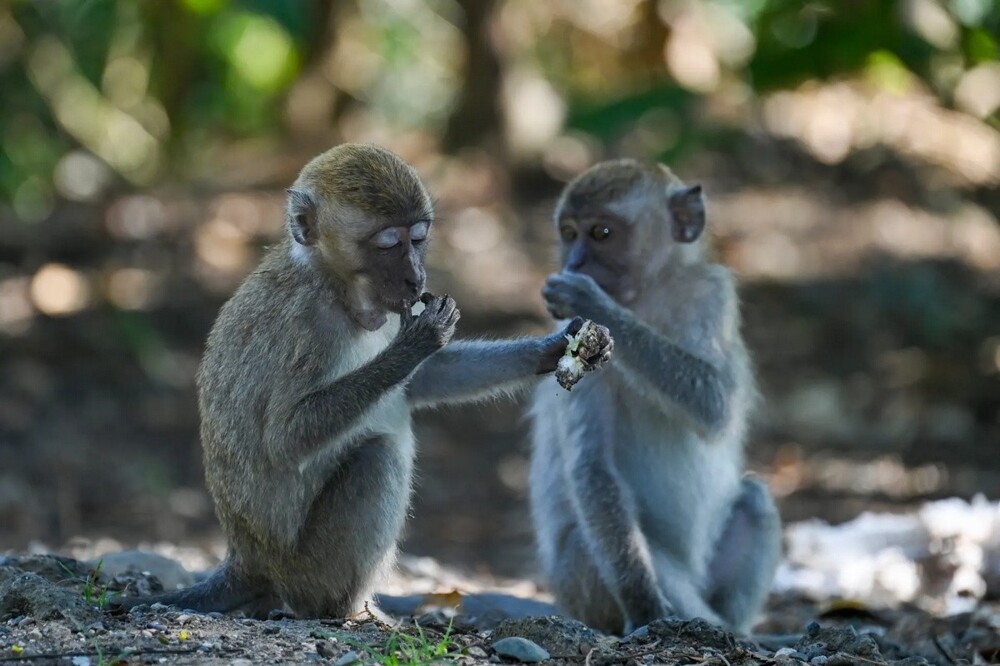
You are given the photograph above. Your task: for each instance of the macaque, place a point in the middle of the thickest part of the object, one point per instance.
(639, 499)
(308, 381)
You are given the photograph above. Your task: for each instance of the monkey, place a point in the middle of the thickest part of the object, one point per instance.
(307, 384)
(638, 496)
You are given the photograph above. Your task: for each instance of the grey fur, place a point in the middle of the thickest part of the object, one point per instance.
(306, 389)
(637, 493)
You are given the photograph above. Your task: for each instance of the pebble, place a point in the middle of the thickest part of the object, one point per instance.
(146, 633)
(241, 662)
(216, 615)
(326, 649)
(812, 629)
(640, 634)
(271, 629)
(157, 606)
(347, 659)
(205, 647)
(819, 660)
(183, 618)
(97, 627)
(157, 626)
(520, 649)
(477, 652)
(25, 621)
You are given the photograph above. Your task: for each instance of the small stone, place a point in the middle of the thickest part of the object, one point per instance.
(520, 649)
(241, 662)
(205, 647)
(326, 649)
(158, 607)
(183, 618)
(156, 626)
(271, 629)
(216, 615)
(146, 633)
(477, 652)
(819, 660)
(25, 621)
(280, 614)
(784, 652)
(812, 629)
(640, 634)
(97, 627)
(347, 659)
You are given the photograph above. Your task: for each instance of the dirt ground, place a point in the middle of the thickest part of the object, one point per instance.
(54, 611)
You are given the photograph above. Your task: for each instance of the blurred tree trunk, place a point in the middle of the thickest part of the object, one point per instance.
(476, 118)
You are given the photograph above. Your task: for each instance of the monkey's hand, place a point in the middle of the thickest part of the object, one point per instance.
(554, 346)
(433, 328)
(575, 294)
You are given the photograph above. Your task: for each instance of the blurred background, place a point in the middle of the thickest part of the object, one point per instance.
(850, 151)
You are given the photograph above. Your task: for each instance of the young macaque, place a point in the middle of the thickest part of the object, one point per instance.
(307, 384)
(639, 501)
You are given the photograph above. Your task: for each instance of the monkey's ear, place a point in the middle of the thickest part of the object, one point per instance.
(302, 217)
(687, 214)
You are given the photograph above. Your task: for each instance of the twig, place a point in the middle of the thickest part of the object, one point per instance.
(942, 650)
(125, 654)
(586, 660)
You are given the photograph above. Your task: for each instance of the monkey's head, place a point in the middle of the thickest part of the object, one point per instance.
(362, 215)
(623, 221)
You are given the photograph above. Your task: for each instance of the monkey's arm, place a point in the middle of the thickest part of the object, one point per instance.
(685, 379)
(698, 386)
(470, 370)
(306, 425)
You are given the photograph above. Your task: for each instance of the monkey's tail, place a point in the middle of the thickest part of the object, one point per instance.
(223, 590)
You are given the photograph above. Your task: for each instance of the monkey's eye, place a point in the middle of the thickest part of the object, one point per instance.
(567, 233)
(600, 232)
(418, 232)
(387, 238)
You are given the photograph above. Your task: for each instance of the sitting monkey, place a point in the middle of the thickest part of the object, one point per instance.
(308, 380)
(639, 502)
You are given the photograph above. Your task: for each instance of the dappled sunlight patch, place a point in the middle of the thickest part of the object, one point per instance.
(112, 134)
(132, 288)
(792, 234)
(58, 290)
(16, 308)
(943, 558)
(833, 120)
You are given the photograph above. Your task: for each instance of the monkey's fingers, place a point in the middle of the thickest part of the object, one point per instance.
(574, 326)
(426, 297)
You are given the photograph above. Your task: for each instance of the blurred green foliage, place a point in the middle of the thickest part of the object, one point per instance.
(162, 82)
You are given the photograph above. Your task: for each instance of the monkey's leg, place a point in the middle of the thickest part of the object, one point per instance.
(579, 588)
(350, 534)
(746, 557)
(227, 588)
(605, 509)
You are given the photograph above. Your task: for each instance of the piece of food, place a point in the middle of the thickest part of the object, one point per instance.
(583, 353)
